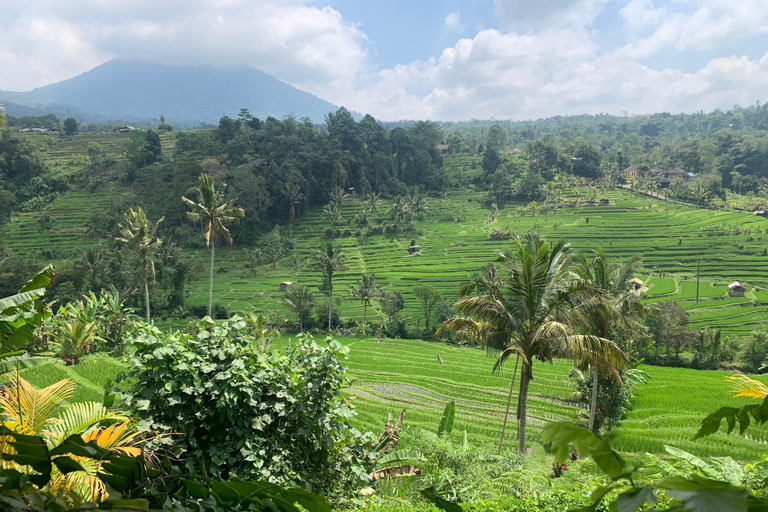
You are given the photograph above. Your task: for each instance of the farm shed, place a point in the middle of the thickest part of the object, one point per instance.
(285, 285)
(636, 283)
(605, 201)
(444, 149)
(736, 289)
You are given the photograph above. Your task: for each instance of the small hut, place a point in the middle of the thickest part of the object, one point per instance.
(605, 201)
(413, 249)
(285, 285)
(636, 283)
(736, 289)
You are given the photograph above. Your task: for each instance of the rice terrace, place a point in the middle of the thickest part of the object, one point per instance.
(355, 314)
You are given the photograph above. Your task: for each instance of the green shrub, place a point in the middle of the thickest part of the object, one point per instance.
(278, 417)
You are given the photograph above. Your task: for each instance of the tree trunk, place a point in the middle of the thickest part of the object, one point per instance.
(210, 285)
(509, 401)
(146, 286)
(365, 311)
(330, 300)
(594, 399)
(523, 401)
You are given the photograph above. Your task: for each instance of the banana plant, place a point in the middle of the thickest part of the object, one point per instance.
(20, 316)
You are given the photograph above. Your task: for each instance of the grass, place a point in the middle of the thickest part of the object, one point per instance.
(90, 375)
(388, 375)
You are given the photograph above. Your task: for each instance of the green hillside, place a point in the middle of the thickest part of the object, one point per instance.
(671, 237)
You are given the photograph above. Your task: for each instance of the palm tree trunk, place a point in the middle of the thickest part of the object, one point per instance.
(509, 401)
(523, 405)
(146, 286)
(210, 285)
(365, 311)
(593, 405)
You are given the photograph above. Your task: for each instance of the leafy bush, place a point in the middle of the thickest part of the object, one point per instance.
(278, 417)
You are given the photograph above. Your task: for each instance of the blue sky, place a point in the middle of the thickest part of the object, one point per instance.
(449, 60)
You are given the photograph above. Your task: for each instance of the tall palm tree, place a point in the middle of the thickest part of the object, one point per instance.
(294, 196)
(332, 213)
(365, 291)
(419, 205)
(212, 210)
(699, 192)
(301, 301)
(338, 195)
(532, 314)
(399, 209)
(141, 232)
(330, 259)
(615, 299)
(371, 202)
(675, 189)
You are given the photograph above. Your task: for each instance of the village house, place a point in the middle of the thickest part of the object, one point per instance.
(736, 289)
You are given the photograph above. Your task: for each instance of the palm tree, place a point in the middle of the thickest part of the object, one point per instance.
(90, 263)
(330, 259)
(532, 314)
(300, 300)
(365, 291)
(419, 205)
(168, 253)
(615, 299)
(332, 213)
(338, 195)
(399, 209)
(139, 231)
(675, 189)
(294, 196)
(45, 223)
(215, 212)
(699, 192)
(371, 202)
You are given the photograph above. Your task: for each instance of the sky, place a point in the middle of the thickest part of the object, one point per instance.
(421, 59)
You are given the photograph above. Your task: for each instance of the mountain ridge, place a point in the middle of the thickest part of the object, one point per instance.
(133, 90)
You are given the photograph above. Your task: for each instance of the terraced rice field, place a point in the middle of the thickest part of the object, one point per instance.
(70, 213)
(74, 150)
(389, 375)
(452, 251)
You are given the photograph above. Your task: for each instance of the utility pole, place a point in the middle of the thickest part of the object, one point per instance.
(698, 268)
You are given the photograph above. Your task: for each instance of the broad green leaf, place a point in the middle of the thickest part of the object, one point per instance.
(587, 444)
(713, 500)
(446, 422)
(67, 465)
(432, 495)
(634, 498)
(195, 489)
(703, 466)
(401, 455)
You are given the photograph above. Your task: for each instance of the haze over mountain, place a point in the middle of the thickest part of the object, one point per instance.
(132, 90)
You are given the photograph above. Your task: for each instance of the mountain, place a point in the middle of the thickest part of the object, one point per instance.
(133, 90)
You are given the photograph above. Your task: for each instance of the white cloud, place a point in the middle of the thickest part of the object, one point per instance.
(544, 60)
(312, 48)
(704, 25)
(453, 21)
(554, 72)
(525, 15)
